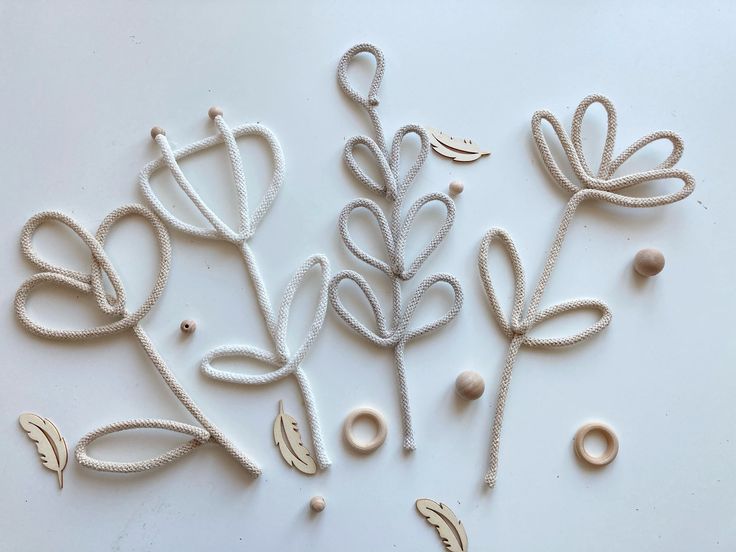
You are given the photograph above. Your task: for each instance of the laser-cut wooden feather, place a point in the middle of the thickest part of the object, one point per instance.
(287, 438)
(457, 149)
(443, 519)
(51, 445)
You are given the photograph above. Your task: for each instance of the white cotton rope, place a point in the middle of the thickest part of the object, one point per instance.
(115, 305)
(602, 185)
(394, 232)
(282, 360)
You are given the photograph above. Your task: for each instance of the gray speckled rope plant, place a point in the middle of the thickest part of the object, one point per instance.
(394, 231)
(603, 185)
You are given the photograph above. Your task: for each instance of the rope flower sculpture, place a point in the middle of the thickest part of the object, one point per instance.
(91, 283)
(283, 362)
(394, 230)
(603, 185)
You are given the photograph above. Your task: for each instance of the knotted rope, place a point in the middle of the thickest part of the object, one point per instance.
(115, 305)
(394, 232)
(283, 362)
(603, 185)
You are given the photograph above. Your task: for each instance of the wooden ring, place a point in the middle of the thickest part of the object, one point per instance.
(379, 422)
(611, 444)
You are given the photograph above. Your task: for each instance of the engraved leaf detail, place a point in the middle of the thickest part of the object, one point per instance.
(461, 150)
(286, 436)
(449, 528)
(52, 450)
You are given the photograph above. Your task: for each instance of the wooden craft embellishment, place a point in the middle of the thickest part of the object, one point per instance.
(449, 528)
(470, 385)
(395, 330)
(457, 149)
(50, 444)
(649, 262)
(286, 436)
(602, 185)
(282, 360)
(317, 504)
(376, 418)
(611, 444)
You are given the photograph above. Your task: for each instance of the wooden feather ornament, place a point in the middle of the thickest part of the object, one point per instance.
(443, 519)
(462, 150)
(51, 445)
(287, 438)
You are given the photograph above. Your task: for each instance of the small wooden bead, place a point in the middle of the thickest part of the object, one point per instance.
(188, 326)
(456, 187)
(470, 385)
(214, 112)
(155, 131)
(317, 504)
(649, 262)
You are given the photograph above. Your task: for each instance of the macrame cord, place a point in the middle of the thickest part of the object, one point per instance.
(394, 232)
(603, 185)
(115, 305)
(282, 360)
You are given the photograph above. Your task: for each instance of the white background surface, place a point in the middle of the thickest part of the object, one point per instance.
(81, 85)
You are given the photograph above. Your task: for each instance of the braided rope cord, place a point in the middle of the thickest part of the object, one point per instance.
(281, 360)
(115, 305)
(394, 231)
(603, 185)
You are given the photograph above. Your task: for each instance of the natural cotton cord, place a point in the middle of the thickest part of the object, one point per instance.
(115, 305)
(602, 185)
(282, 360)
(394, 232)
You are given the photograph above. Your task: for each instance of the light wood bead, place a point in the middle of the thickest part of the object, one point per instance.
(214, 111)
(317, 504)
(188, 326)
(155, 131)
(456, 187)
(649, 262)
(470, 385)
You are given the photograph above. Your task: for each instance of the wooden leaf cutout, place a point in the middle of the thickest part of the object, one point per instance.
(287, 438)
(51, 445)
(462, 150)
(443, 519)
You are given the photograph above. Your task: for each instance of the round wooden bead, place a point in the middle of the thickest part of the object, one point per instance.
(317, 504)
(470, 385)
(155, 131)
(649, 262)
(214, 112)
(456, 187)
(188, 326)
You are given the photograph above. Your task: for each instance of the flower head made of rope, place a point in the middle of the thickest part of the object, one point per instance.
(115, 305)
(601, 185)
(281, 360)
(394, 230)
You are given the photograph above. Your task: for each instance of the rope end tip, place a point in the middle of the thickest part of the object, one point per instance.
(155, 131)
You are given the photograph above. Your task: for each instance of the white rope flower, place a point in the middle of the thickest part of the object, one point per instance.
(602, 185)
(281, 359)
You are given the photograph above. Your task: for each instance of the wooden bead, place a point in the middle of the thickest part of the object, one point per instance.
(649, 262)
(470, 385)
(317, 504)
(214, 112)
(188, 326)
(155, 131)
(456, 187)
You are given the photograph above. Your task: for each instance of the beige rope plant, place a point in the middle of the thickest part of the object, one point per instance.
(91, 283)
(397, 332)
(603, 185)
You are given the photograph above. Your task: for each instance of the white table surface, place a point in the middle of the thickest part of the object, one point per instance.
(83, 82)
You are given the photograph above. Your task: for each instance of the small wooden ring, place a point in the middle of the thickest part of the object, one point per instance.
(611, 444)
(379, 422)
